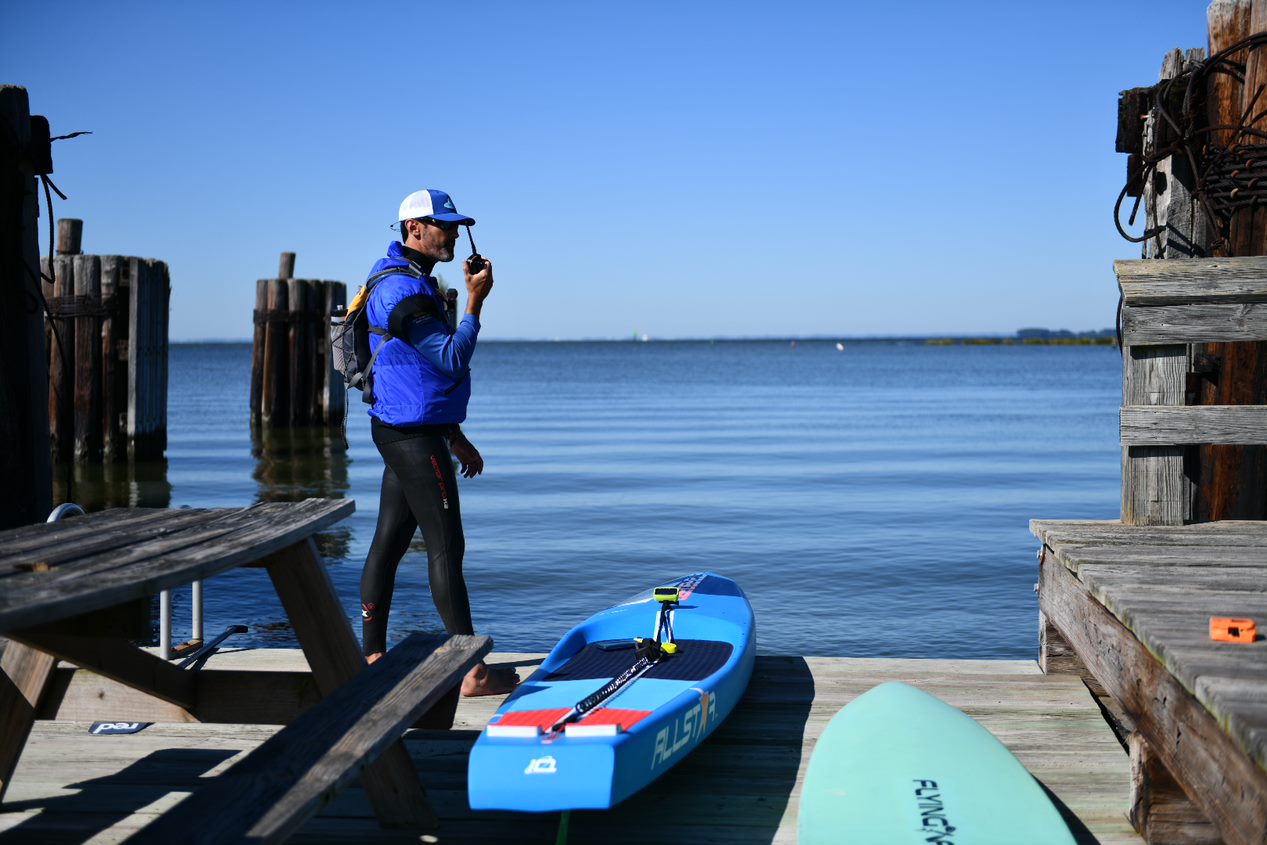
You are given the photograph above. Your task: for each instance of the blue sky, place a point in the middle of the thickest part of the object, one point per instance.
(680, 169)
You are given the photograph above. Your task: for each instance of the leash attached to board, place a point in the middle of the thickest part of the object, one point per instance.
(649, 652)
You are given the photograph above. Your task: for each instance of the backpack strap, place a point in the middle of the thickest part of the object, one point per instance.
(412, 270)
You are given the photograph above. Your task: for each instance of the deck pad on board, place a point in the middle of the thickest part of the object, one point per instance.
(519, 763)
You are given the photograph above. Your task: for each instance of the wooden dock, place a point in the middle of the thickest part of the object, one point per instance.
(742, 785)
(1134, 603)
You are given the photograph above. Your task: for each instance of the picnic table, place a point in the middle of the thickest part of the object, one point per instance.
(59, 582)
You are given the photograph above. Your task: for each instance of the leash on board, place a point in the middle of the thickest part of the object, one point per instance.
(649, 652)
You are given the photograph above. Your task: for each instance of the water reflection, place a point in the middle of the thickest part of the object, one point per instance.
(99, 486)
(293, 464)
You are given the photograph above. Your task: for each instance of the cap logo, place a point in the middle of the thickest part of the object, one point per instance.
(449, 205)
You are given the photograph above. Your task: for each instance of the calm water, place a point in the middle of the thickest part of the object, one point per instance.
(871, 502)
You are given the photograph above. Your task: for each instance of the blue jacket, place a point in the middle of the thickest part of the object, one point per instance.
(423, 375)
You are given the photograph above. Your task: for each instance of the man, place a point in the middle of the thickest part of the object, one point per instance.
(421, 386)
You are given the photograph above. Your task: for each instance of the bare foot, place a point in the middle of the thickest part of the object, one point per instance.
(370, 658)
(485, 680)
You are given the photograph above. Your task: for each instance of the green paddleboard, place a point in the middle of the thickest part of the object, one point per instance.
(899, 766)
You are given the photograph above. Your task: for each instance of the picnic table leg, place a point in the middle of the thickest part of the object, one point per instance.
(24, 675)
(323, 631)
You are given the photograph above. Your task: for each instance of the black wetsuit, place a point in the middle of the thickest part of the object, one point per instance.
(419, 490)
(421, 388)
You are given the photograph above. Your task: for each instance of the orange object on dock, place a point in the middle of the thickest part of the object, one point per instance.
(1232, 630)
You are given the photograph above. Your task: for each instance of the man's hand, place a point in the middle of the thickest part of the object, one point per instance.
(466, 453)
(478, 286)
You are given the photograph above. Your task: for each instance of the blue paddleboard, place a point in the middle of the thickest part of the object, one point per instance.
(899, 766)
(541, 753)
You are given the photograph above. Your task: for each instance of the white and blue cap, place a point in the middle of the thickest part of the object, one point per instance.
(434, 204)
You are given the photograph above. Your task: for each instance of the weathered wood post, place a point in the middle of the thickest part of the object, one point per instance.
(88, 421)
(1232, 480)
(1215, 211)
(26, 496)
(107, 353)
(61, 340)
(292, 381)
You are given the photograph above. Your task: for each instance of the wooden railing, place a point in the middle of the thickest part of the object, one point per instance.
(1167, 305)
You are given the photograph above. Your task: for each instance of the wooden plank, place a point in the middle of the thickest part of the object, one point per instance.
(1196, 323)
(1211, 766)
(323, 630)
(1077, 556)
(1155, 489)
(1186, 281)
(114, 658)
(269, 794)
(1223, 533)
(226, 696)
(24, 676)
(237, 537)
(28, 537)
(1160, 809)
(121, 543)
(742, 786)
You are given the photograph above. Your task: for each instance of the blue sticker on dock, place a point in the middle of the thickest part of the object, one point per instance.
(113, 728)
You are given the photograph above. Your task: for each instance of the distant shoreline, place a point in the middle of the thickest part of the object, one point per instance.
(922, 340)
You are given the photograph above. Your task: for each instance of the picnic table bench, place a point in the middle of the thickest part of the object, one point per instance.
(59, 581)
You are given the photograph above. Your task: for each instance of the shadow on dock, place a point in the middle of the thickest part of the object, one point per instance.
(103, 802)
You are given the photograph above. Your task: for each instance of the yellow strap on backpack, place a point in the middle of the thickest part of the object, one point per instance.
(358, 301)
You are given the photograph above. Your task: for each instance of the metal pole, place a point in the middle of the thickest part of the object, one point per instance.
(196, 601)
(165, 624)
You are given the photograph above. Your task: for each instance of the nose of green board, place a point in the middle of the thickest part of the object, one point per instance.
(897, 765)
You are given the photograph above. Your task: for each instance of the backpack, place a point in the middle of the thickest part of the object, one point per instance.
(350, 336)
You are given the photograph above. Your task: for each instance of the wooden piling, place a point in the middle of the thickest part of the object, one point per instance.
(333, 394)
(107, 354)
(292, 381)
(26, 495)
(1232, 479)
(87, 378)
(147, 359)
(276, 383)
(61, 379)
(70, 234)
(1226, 481)
(257, 350)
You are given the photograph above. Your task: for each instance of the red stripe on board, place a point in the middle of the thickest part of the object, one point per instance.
(611, 716)
(546, 719)
(543, 719)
